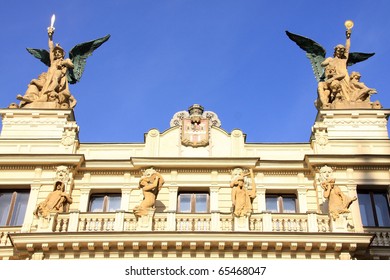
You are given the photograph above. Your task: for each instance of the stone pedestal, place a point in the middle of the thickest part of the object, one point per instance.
(39, 131)
(145, 223)
(351, 124)
(340, 224)
(241, 223)
(47, 224)
(350, 131)
(35, 123)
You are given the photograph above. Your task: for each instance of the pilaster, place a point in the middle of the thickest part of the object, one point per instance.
(260, 194)
(126, 192)
(354, 207)
(302, 193)
(214, 208)
(171, 213)
(33, 200)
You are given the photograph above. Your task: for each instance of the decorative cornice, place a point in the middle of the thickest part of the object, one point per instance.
(353, 113)
(186, 241)
(348, 160)
(41, 159)
(198, 162)
(69, 114)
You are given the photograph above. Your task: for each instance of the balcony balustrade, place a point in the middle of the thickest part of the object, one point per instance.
(381, 238)
(126, 221)
(4, 235)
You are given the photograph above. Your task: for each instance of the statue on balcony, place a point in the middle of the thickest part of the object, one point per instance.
(241, 197)
(336, 89)
(338, 202)
(56, 202)
(51, 88)
(150, 183)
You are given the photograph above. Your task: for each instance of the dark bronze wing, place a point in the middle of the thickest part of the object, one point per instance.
(314, 51)
(356, 57)
(79, 54)
(41, 54)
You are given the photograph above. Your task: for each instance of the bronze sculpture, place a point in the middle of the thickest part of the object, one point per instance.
(336, 89)
(51, 88)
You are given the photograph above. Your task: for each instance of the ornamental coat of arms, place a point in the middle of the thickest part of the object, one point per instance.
(195, 125)
(195, 133)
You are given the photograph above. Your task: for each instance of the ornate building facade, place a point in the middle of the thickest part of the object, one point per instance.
(194, 190)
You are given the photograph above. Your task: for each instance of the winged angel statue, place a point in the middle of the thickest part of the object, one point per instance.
(336, 88)
(51, 88)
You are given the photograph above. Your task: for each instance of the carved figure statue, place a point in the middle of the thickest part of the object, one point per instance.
(57, 201)
(33, 89)
(360, 91)
(338, 201)
(329, 89)
(241, 197)
(334, 71)
(51, 89)
(150, 183)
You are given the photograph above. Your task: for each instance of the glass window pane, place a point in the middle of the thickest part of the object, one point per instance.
(96, 204)
(114, 203)
(382, 209)
(201, 203)
(289, 204)
(366, 209)
(19, 209)
(5, 201)
(185, 203)
(271, 203)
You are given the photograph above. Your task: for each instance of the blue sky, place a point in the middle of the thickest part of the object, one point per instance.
(231, 56)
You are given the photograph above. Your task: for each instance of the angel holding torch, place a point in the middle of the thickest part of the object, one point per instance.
(56, 79)
(336, 90)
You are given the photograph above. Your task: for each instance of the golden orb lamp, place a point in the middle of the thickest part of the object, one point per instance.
(348, 24)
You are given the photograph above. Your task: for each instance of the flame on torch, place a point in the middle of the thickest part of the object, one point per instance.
(53, 19)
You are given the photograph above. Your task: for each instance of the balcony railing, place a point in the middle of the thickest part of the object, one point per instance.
(289, 222)
(4, 235)
(382, 236)
(191, 222)
(126, 221)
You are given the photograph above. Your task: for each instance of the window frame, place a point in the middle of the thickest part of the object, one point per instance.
(193, 201)
(12, 204)
(280, 197)
(371, 193)
(106, 202)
